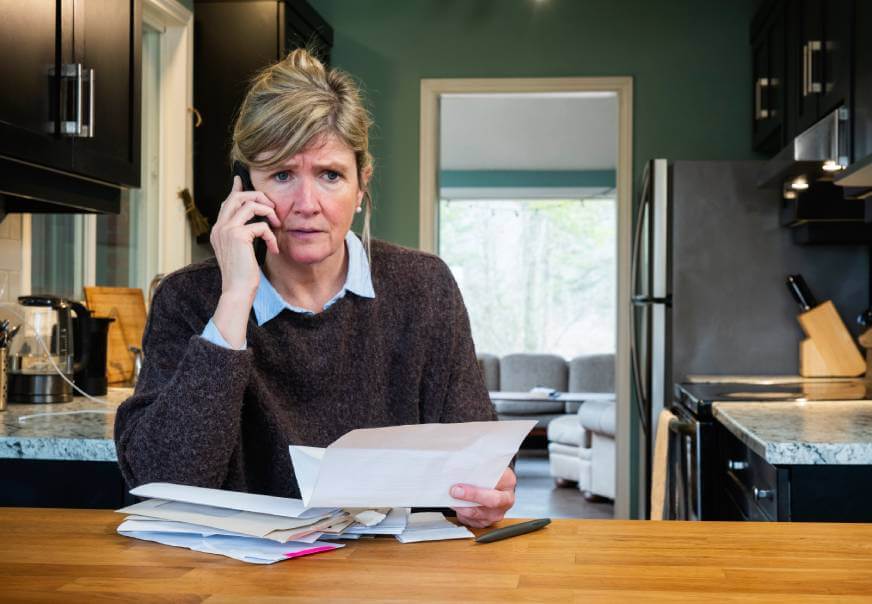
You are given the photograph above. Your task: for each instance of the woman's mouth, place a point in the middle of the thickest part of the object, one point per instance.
(304, 233)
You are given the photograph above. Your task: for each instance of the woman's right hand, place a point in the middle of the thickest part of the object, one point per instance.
(233, 241)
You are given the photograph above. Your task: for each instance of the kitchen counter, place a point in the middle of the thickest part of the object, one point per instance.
(74, 436)
(76, 555)
(802, 433)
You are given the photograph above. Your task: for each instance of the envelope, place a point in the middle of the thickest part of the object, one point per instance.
(232, 500)
(268, 526)
(406, 466)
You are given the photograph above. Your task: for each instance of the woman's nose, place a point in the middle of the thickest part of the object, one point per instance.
(304, 200)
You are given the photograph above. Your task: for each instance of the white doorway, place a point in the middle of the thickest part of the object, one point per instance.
(485, 170)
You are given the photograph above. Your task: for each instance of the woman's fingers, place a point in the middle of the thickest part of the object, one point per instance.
(249, 209)
(262, 230)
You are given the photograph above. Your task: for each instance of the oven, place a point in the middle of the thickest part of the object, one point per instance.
(690, 492)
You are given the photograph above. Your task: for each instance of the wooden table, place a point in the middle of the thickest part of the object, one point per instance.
(74, 556)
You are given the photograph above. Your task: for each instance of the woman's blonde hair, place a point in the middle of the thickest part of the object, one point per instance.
(293, 102)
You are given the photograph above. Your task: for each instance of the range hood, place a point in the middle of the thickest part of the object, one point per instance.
(29, 188)
(819, 151)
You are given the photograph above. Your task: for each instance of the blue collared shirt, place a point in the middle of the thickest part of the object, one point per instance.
(268, 303)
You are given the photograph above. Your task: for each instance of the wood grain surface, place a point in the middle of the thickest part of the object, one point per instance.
(127, 306)
(74, 556)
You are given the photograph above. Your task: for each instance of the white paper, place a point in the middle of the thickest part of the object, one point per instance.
(432, 526)
(233, 500)
(406, 466)
(246, 549)
(247, 523)
(393, 524)
(135, 524)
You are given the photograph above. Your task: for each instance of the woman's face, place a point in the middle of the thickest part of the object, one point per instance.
(316, 193)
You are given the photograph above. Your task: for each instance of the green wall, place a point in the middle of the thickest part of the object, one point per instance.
(690, 60)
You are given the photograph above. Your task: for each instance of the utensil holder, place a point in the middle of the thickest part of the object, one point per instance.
(829, 350)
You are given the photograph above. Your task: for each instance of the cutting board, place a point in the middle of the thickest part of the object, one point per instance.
(127, 306)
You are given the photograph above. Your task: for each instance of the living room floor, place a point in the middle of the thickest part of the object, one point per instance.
(536, 495)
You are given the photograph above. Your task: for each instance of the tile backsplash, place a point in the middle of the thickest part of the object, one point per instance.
(11, 257)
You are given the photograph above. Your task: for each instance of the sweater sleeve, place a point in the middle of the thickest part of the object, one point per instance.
(182, 423)
(467, 399)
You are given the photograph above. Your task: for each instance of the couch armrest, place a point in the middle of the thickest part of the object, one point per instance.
(598, 416)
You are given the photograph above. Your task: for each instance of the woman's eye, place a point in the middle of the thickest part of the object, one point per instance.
(332, 175)
(282, 176)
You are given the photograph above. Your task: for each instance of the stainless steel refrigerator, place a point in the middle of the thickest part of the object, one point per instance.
(710, 261)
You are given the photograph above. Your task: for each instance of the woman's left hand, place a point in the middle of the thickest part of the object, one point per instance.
(494, 502)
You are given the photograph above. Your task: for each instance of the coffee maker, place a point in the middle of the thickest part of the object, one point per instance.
(42, 358)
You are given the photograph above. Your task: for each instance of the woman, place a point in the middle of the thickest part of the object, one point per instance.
(241, 362)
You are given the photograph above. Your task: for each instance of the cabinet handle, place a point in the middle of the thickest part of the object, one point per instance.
(72, 71)
(737, 465)
(762, 493)
(89, 132)
(813, 47)
(805, 70)
(760, 113)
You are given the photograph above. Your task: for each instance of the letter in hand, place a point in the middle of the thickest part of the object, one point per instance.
(494, 503)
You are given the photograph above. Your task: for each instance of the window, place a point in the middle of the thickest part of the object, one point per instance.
(537, 275)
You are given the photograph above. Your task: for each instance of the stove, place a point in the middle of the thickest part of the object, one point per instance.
(692, 447)
(698, 397)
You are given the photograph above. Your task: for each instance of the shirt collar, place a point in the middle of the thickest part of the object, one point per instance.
(268, 303)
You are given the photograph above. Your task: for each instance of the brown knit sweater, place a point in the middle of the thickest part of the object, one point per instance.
(210, 416)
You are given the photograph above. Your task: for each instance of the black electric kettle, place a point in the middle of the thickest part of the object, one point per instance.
(43, 359)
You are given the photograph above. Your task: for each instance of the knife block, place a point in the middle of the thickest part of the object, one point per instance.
(829, 349)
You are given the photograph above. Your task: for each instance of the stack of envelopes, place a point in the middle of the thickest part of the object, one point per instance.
(365, 484)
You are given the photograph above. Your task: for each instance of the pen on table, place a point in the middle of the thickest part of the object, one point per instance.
(512, 530)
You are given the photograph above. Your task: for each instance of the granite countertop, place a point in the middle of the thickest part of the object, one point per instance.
(75, 436)
(802, 433)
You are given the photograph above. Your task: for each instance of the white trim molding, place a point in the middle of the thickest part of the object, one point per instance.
(431, 91)
(176, 170)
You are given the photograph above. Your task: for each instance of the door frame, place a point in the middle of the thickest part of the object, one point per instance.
(431, 92)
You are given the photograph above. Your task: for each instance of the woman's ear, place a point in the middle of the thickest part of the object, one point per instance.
(364, 178)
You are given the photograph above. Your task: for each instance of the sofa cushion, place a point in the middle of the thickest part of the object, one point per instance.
(560, 449)
(490, 370)
(598, 417)
(566, 430)
(523, 371)
(592, 373)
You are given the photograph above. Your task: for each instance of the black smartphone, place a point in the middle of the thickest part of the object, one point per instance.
(242, 172)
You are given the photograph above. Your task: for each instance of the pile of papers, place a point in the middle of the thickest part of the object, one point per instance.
(362, 485)
(262, 529)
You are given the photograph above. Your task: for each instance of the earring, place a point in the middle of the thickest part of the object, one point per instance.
(358, 210)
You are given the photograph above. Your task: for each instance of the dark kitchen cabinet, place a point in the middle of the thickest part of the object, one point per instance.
(769, 70)
(753, 489)
(819, 59)
(802, 57)
(71, 74)
(232, 41)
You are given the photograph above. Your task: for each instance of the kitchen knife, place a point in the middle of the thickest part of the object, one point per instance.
(800, 292)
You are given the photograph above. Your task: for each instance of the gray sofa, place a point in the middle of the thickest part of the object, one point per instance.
(522, 371)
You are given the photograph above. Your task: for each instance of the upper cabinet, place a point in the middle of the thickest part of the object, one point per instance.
(71, 102)
(769, 70)
(802, 66)
(819, 58)
(223, 69)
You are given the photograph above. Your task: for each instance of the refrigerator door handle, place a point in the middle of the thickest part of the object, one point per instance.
(648, 300)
